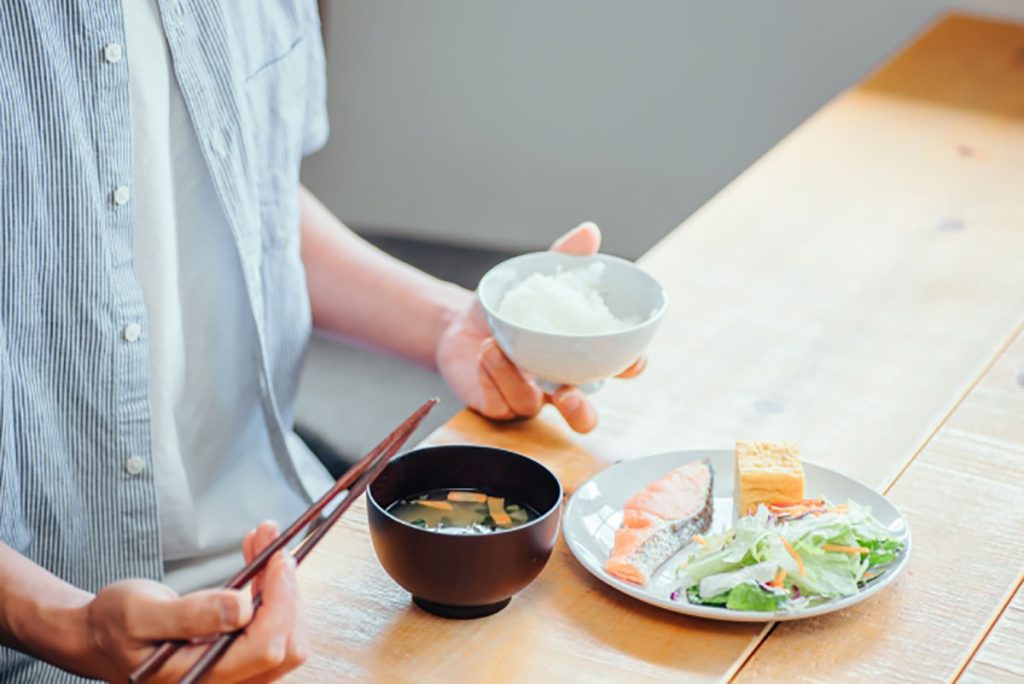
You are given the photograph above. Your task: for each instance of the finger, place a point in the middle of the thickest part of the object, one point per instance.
(522, 396)
(636, 369)
(584, 239)
(247, 553)
(298, 648)
(199, 614)
(266, 645)
(494, 405)
(263, 537)
(575, 408)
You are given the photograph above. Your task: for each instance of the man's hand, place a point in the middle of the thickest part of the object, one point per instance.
(127, 619)
(358, 292)
(486, 380)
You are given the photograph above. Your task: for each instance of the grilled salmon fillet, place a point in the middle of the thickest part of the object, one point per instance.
(661, 519)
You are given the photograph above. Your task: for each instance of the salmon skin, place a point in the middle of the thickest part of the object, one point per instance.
(661, 519)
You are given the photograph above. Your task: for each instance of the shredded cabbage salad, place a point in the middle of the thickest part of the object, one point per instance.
(770, 563)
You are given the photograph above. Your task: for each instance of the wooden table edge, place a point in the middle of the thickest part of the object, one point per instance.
(985, 633)
(1016, 333)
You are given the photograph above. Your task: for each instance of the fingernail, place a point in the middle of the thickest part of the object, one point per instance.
(571, 401)
(233, 608)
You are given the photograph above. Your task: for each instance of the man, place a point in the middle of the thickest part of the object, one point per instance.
(160, 267)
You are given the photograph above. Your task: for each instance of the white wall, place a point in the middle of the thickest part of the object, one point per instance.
(506, 122)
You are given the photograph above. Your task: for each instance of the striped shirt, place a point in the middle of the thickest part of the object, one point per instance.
(77, 494)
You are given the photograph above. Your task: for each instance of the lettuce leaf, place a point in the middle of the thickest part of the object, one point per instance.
(693, 596)
(723, 582)
(733, 567)
(750, 596)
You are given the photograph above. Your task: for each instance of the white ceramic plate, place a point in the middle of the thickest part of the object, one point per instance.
(595, 511)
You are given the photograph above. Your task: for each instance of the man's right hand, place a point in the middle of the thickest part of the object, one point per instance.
(127, 619)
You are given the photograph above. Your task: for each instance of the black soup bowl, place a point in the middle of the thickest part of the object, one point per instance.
(471, 575)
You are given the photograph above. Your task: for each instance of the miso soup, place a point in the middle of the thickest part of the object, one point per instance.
(462, 511)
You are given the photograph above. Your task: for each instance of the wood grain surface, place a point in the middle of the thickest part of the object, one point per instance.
(846, 292)
(1000, 659)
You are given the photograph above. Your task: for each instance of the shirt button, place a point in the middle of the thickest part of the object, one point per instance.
(131, 332)
(112, 53)
(121, 195)
(134, 465)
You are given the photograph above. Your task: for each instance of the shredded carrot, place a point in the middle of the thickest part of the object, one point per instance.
(700, 540)
(439, 505)
(806, 503)
(784, 511)
(779, 577)
(868, 575)
(496, 507)
(845, 549)
(795, 555)
(467, 497)
(798, 509)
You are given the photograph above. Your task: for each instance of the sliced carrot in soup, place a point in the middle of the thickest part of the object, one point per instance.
(496, 507)
(467, 497)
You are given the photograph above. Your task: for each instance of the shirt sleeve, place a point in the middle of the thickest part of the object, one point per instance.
(314, 137)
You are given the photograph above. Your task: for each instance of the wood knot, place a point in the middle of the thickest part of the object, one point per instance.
(965, 151)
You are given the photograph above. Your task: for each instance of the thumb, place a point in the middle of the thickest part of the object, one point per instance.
(584, 239)
(199, 614)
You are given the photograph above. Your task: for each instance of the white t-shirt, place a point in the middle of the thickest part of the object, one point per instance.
(216, 475)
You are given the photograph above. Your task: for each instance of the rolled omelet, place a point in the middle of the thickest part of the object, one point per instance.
(767, 473)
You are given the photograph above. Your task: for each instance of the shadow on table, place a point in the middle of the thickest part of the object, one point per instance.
(965, 62)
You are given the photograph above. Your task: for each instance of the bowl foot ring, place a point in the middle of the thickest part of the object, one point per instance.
(459, 612)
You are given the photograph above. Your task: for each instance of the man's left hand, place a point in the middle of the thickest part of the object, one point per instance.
(477, 370)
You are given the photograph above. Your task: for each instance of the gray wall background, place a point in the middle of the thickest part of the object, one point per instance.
(505, 123)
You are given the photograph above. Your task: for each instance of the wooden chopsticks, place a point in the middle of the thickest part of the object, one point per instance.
(355, 481)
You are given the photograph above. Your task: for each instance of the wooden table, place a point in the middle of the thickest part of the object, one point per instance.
(859, 289)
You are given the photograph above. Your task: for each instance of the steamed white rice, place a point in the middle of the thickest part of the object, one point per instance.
(568, 302)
